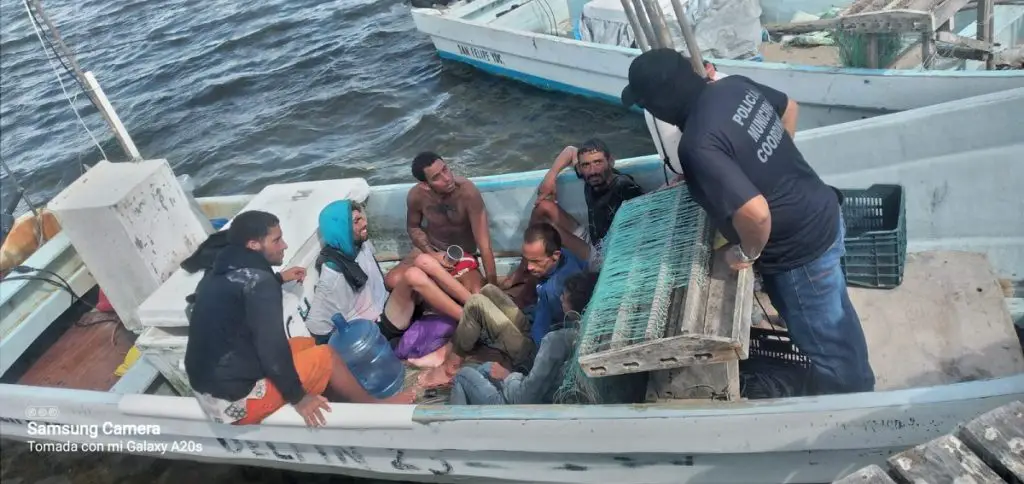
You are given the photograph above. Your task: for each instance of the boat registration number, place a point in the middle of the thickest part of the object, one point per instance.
(482, 54)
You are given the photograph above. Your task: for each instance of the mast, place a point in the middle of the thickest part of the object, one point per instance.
(90, 86)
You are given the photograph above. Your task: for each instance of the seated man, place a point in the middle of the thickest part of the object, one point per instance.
(239, 359)
(604, 192)
(493, 319)
(454, 213)
(475, 385)
(352, 283)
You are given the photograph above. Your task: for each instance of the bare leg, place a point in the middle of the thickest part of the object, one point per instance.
(420, 282)
(394, 276)
(472, 280)
(431, 267)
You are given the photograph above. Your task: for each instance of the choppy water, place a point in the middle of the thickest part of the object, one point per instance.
(242, 94)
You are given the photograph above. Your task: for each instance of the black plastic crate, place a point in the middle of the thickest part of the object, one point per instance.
(775, 345)
(775, 368)
(876, 236)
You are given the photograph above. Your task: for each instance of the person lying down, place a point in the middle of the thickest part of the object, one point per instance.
(493, 384)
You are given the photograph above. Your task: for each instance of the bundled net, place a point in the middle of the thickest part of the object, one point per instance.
(654, 245)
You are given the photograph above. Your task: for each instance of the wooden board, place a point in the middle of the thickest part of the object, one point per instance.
(997, 437)
(84, 358)
(869, 475)
(945, 459)
(714, 327)
(946, 323)
(990, 449)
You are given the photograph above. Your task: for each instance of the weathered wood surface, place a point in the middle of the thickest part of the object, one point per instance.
(892, 21)
(997, 437)
(946, 323)
(869, 475)
(988, 449)
(714, 328)
(945, 459)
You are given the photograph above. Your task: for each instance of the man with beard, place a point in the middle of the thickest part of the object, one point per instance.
(239, 359)
(605, 190)
(454, 212)
(351, 282)
(741, 165)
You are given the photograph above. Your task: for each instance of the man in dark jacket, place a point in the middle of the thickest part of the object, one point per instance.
(239, 359)
(742, 166)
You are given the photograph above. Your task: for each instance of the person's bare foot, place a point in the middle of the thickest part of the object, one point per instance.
(431, 360)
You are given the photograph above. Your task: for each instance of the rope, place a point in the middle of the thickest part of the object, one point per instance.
(36, 27)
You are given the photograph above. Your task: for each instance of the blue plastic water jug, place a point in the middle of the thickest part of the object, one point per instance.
(368, 355)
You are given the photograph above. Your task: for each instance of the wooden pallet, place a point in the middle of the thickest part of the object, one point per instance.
(988, 449)
(929, 18)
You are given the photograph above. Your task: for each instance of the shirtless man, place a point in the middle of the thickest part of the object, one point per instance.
(454, 214)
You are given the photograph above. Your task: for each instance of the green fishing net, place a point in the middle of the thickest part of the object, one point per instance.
(654, 244)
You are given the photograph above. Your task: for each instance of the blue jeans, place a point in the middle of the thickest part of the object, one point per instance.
(822, 322)
(472, 386)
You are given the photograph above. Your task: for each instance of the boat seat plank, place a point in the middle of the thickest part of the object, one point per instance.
(84, 357)
(871, 474)
(946, 323)
(945, 459)
(997, 437)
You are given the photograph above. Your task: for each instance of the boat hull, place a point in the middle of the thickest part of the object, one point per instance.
(960, 165)
(791, 440)
(828, 95)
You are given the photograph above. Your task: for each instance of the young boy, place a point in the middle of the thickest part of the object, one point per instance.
(493, 384)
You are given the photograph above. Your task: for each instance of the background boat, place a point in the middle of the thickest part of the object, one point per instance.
(532, 42)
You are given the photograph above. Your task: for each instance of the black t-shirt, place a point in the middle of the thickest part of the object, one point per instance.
(602, 204)
(734, 148)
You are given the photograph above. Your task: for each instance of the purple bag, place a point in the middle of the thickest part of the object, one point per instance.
(425, 336)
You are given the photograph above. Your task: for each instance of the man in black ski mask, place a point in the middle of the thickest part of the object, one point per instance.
(742, 167)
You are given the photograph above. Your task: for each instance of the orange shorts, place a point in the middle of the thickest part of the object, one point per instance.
(313, 364)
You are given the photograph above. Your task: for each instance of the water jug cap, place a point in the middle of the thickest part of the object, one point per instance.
(339, 321)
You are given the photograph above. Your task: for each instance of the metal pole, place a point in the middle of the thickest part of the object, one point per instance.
(696, 59)
(128, 147)
(634, 23)
(645, 24)
(658, 22)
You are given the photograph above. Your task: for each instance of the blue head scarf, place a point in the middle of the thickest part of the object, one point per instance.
(340, 249)
(336, 227)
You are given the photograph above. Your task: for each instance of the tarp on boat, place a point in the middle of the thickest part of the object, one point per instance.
(725, 29)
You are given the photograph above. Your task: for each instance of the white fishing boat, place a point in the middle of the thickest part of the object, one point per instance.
(534, 42)
(942, 343)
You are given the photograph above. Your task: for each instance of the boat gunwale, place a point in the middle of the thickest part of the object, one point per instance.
(1011, 386)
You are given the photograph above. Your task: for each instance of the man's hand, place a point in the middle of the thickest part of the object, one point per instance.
(443, 259)
(546, 191)
(293, 274)
(732, 257)
(499, 372)
(311, 408)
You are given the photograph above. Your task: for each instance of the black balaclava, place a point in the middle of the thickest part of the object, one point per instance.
(663, 82)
